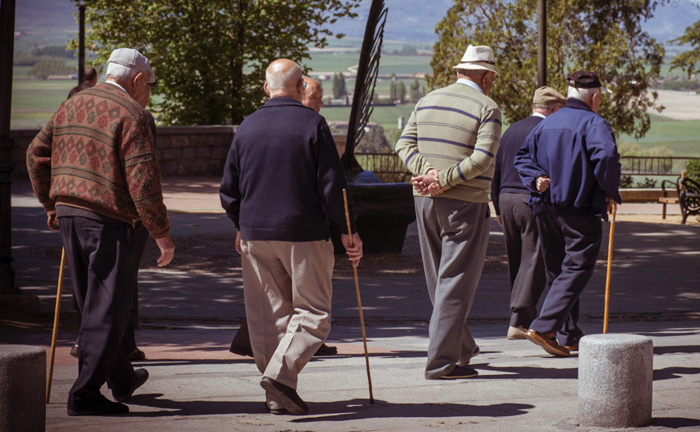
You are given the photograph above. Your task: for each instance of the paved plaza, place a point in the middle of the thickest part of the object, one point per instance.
(189, 318)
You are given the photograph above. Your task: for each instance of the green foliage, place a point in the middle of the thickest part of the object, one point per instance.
(414, 93)
(339, 89)
(634, 149)
(692, 170)
(44, 69)
(604, 36)
(626, 181)
(54, 51)
(401, 92)
(210, 56)
(689, 60)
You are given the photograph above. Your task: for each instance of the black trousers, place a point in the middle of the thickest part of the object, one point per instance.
(525, 261)
(102, 260)
(128, 344)
(570, 245)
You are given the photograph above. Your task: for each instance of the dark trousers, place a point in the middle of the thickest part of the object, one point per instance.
(128, 344)
(101, 258)
(570, 245)
(525, 261)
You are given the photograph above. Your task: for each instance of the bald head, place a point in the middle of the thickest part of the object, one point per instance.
(313, 94)
(283, 78)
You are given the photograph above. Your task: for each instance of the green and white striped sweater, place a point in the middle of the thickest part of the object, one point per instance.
(457, 131)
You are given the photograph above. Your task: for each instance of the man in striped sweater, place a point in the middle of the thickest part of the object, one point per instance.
(449, 145)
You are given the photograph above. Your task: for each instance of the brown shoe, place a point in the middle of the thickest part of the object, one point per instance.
(571, 348)
(548, 341)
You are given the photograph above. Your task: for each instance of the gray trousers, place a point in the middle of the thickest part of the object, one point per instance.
(525, 261)
(453, 237)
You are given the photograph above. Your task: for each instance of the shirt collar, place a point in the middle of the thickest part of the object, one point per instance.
(538, 115)
(578, 104)
(471, 84)
(116, 84)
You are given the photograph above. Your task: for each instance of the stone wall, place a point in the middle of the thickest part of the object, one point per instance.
(181, 150)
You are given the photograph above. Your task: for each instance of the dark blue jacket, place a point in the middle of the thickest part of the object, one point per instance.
(576, 148)
(505, 177)
(283, 175)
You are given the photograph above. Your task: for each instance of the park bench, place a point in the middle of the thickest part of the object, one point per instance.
(688, 197)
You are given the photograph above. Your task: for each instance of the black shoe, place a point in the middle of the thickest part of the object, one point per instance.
(287, 396)
(461, 372)
(325, 350)
(137, 355)
(241, 350)
(123, 393)
(74, 351)
(100, 407)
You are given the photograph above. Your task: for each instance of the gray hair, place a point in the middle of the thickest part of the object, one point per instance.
(282, 81)
(548, 107)
(582, 94)
(473, 74)
(120, 73)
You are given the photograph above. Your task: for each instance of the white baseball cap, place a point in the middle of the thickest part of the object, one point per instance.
(133, 59)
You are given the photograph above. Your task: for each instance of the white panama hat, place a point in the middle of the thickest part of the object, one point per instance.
(478, 58)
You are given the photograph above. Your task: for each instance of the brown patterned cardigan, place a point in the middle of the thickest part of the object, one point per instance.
(97, 153)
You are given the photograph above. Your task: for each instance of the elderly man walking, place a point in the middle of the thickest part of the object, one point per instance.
(510, 200)
(282, 177)
(240, 345)
(94, 167)
(449, 144)
(570, 164)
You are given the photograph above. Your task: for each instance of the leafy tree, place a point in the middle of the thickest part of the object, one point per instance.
(339, 89)
(688, 61)
(210, 56)
(604, 36)
(414, 93)
(401, 92)
(392, 88)
(44, 69)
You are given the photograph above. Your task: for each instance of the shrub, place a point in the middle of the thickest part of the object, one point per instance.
(692, 170)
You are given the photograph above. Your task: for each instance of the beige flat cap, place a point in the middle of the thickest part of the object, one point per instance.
(548, 96)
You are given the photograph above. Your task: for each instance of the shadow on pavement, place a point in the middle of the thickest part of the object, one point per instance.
(674, 372)
(526, 372)
(690, 349)
(674, 422)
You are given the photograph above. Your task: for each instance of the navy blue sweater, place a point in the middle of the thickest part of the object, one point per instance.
(576, 148)
(506, 178)
(283, 175)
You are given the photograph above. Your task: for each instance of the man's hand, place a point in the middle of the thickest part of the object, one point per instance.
(238, 242)
(354, 252)
(500, 221)
(428, 184)
(167, 250)
(542, 183)
(52, 221)
(610, 203)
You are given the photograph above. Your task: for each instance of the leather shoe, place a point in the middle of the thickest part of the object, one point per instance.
(325, 350)
(461, 372)
(74, 351)
(548, 342)
(99, 407)
(137, 355)
(123, 393)
(287, 396)
(516, 333)
(571, 348)
(241, 350)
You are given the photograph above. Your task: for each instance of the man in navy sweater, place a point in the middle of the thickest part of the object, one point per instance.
(510, 199)
(282, 177)
(571, 165)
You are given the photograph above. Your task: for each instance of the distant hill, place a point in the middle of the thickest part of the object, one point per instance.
(52, 21)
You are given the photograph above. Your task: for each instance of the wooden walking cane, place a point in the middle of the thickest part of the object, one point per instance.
(59, 291)
(359, 301)
(607, 279)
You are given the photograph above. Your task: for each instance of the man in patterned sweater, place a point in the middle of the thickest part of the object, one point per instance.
(449, 144)
(94, 167)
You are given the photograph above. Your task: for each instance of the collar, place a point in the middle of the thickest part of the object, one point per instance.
(471, 84)
(282, 100)
(538, 115)
(116, 84)
(577, 104)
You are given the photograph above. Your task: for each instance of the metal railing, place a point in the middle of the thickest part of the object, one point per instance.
(390, 168)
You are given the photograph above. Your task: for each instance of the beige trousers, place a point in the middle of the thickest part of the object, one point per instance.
(288, 290)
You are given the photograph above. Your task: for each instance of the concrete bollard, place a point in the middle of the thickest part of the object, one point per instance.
(615, 375)
(22, 388)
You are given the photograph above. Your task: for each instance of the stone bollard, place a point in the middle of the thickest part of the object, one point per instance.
(22, 388)
(615, 380)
